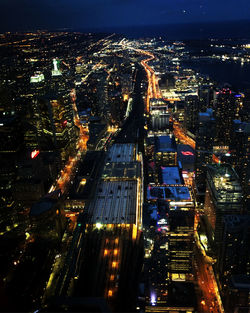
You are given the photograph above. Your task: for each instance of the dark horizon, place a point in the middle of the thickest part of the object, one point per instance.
(175, 31)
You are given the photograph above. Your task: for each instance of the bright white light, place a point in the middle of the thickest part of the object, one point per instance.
(98, 225)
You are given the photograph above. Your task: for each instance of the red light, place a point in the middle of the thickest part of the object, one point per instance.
(187, 153)
(34, 154)
(64, 123)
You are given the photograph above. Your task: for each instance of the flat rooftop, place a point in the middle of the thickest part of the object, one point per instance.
(171, 175)
(179, 193)
(165, 144)
(225, 181)
(122, 153)
(114, 203)
(122, 170)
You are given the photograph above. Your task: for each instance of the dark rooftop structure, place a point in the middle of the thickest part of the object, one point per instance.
(42, 206)
(165, 144)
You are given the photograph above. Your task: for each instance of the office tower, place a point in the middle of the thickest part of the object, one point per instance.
(54, 126)
(204, 148)
(205, 95)
(191, 113)
(181, 240)
(245, 110)
(225, 113)
(11, 141)
(223, 197)
(239, 157)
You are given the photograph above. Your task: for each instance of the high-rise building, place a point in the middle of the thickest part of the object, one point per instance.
(239, 157)
(204, 148)
(205, 95)
(223, 197)
(181, 240)
(191, 113)
(54, 126)
(225, 113)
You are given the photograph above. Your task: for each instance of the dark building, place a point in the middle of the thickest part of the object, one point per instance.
(191, 113)
(234, 254)
(237, 294)
(204, 147)
(225, 113)
(205, 94)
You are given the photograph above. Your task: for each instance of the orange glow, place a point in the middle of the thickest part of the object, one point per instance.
(105, 252)
(112, 277)
(114, 264)
(110, 293)
(216, 159)
(115, 252)
(116, 240)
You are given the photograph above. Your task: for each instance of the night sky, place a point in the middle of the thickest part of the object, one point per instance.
(51, 14)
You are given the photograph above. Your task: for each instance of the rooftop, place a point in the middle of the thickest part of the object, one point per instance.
(42, 206)
(114, 203)
(122, 170)
(121, 153)
(170, 175)
(178, 193)
(165, 144)
(226, 182)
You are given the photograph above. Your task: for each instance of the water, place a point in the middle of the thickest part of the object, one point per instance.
(234, 73)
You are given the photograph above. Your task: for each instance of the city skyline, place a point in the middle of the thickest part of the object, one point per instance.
(125, 174)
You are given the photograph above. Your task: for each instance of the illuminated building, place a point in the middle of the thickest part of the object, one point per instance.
(171, 259)
(165, 151)
(55, 71)
(223, 197)
(239, 156)
(225, 113)
(205, 94)
(114, 230)
(204, 147)
(55, 127)
(38, 77)
(181, 240)
(159, 114)
(191, 113)
(11, 141)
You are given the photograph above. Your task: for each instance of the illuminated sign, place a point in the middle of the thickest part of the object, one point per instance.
(163, 221)
(34, 154)
(187, 153)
